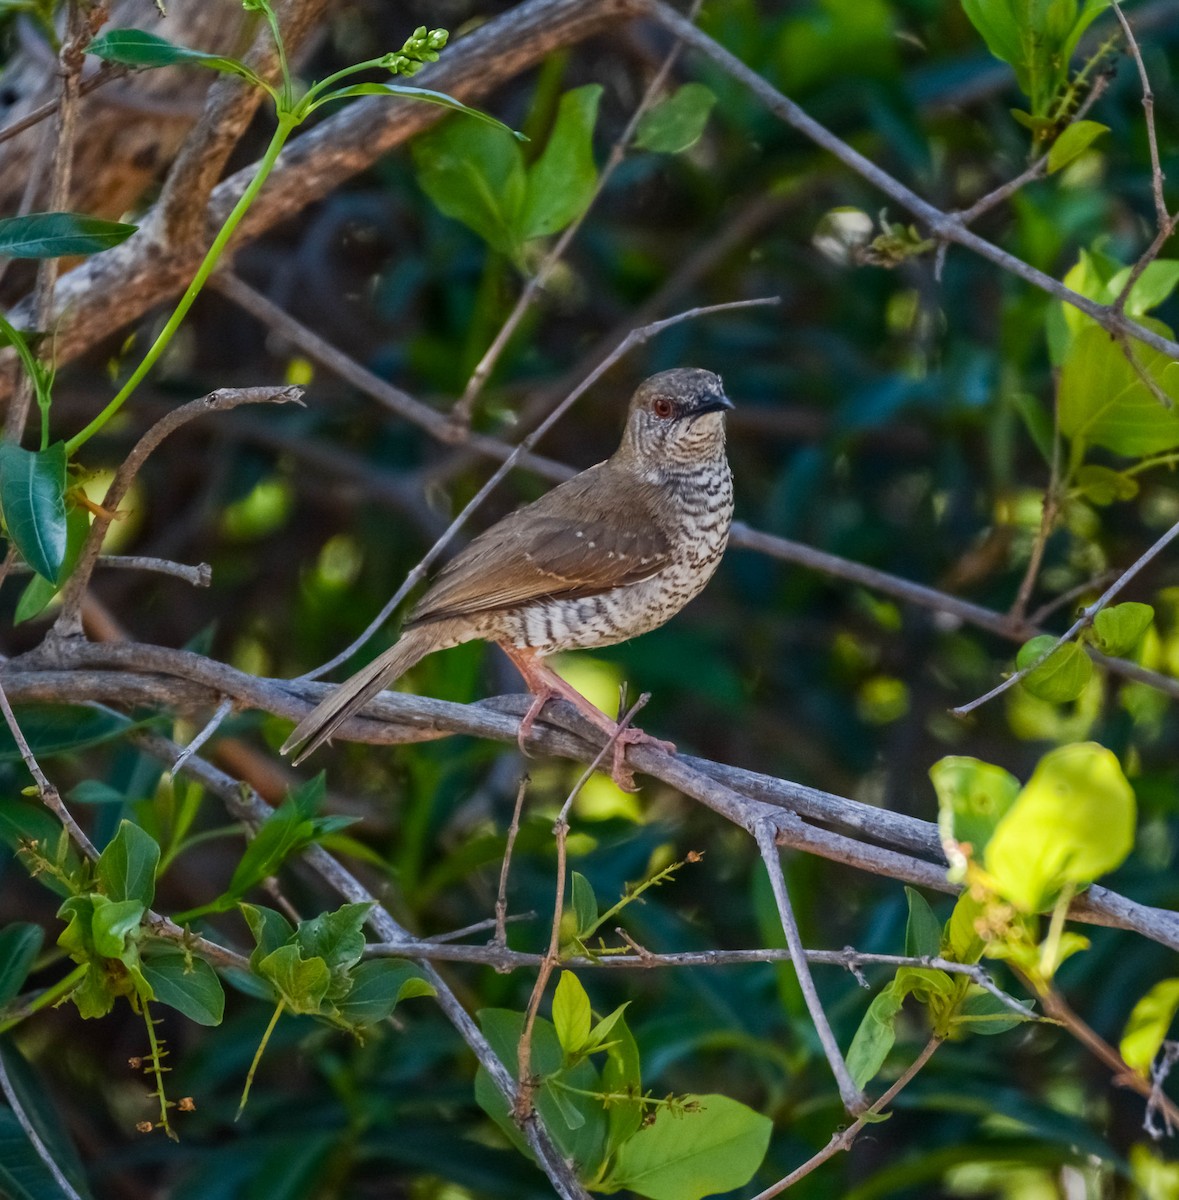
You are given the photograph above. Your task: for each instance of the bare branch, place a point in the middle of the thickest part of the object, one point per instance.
(942, 225)
(68, 623)
(853, 1099)
(1082, 622)
(30, 1131)
(199, 576)
(1156, 169)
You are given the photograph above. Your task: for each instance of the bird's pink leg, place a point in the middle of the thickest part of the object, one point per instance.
(544, 683)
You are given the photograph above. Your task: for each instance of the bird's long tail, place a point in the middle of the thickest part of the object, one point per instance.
(353, 694)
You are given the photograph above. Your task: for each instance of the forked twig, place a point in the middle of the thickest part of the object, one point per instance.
(853, 1099)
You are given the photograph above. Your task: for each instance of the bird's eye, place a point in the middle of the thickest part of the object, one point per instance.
(662, 408)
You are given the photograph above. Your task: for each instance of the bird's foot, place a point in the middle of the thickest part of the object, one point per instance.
(522, 734)
(622, 775)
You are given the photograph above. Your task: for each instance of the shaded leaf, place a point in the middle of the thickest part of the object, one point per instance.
(19, 946)
(585, 903)
(426, 95)
(127, 867)
(58, 234)
(187, 984)
(875, 1036)
(40, 591)
(139, 48)
(561, 182)
(336, 937)
(923, 931)
(32, 497)
(55, 729)
(675, 124)
(301, 982)
(378, 986)
(112, 923)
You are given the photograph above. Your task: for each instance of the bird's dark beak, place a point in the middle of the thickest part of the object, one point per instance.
(716, 402)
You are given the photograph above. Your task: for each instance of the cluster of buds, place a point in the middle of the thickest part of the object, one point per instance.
(420, 47)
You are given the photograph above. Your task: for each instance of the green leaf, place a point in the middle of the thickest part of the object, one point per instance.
(425, 95)
(1102, 400)
(286, 831)
(972, 797)
(1103, 485)
(139, 48)
(676, 124)
(684, 1156)
(561, 182)
(474, 174)
(270, 929)
(1073, 142)
(1120, 628)
(41, 591)
(571, 1014)
(923, 931)
(302, 983)
(113, 923)
(985, 1014)
(378, 986)
(58, 234)
(585, 904)
(1148, 1025)
(1062, 676)
(336, 937)
(1151, 288)
(187, 984)
(23, 1173)
(56, 729)
(622, 1076)
(32, 497)
(583, 1141)
(1073, 822)
(19, 946)
(876, 1035)
(127, 867)
(962, 941)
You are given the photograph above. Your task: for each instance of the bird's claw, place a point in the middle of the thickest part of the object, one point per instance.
(622, 775)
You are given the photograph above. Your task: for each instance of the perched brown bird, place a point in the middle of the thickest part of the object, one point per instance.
(609, 554)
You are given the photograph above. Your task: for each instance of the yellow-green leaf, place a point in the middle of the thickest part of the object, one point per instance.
(1120, 628)
(1073, 822)
(1062, 676)
(1073, 142)
(1148, 1025)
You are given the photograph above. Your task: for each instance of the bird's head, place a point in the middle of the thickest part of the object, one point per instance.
(677, 418)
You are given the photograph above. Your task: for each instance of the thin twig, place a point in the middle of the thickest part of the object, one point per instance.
(214, 723)
(200, 575)
(1156, 168)
(460, 414)
(527, 1085)
(30, 1131)
(80, 28)
(1082, 622)
(635, 338)
(1049, 510)
(853, 1099)
(48, 794)
(844, 1139)
(69, 621)
(501, 895)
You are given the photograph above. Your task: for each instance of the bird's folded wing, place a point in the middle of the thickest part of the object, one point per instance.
(536, 555)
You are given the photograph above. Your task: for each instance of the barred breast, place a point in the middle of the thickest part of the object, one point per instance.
(700, 511)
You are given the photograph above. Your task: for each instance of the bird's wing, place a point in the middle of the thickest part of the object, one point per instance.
(582, 538)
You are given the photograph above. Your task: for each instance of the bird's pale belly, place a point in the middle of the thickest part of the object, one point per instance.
(614, 616)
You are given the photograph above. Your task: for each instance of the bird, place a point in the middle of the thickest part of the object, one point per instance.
(609, 554)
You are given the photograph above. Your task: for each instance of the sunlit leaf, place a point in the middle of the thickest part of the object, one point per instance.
(1060, 677)
(1120, 627)
(1148, 1025)
(1072, 823)
(714, 1147)
(571, 1014)
(1073, 142)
